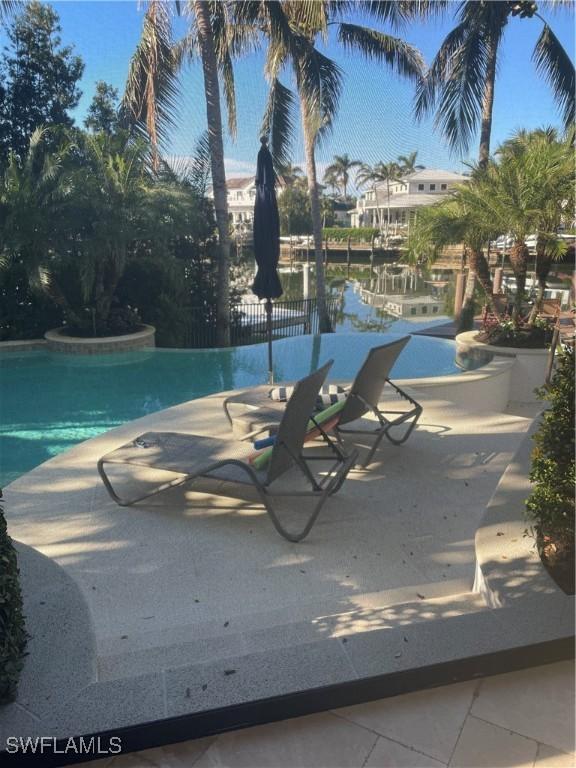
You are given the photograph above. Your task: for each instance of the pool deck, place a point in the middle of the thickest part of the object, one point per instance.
(191, 601)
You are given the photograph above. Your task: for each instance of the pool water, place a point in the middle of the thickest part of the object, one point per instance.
(49, 402)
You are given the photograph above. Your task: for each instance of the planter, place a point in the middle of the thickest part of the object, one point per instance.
(528, 372)
(58, 341)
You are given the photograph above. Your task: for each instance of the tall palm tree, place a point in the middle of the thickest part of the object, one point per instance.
(380, 173)
(460, 82)
(151, 97)
(340, 169)
(407, 163)
(292, 30)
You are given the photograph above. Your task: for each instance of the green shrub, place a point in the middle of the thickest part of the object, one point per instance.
(551, 503)
(356, 234)
(12, 632)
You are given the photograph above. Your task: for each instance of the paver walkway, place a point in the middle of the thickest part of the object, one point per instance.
(519, 720)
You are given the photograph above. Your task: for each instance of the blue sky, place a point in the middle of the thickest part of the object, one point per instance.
(375, 120)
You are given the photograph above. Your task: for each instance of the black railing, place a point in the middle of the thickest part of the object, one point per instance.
(295, 317)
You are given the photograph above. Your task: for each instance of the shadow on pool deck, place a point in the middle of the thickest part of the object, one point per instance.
(197, 603)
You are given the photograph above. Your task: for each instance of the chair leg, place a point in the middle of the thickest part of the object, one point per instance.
(411, 424)
(129, 502)
(333, 486)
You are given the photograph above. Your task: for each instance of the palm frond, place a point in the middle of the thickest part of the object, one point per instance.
(309, 16)
(8, 7)
(399, 55)
(150, 102)
(319, 82)
(429, 86)
(398, 12)
(556, 65)
(460, 104)
(278, 123)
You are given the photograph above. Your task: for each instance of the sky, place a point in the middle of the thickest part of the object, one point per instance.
(375, 120)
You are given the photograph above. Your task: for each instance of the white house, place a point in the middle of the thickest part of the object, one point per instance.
(241, 196)
(409, 193)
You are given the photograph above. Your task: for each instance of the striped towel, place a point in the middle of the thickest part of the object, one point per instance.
(328, 395)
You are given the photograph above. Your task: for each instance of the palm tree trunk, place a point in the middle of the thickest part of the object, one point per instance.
(478, 264)
(488, 102)
(543, 264)
(309, 142)
(216, 142)
(467, 312)
(387, 211)
(519, 257)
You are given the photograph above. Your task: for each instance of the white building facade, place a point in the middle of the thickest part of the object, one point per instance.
(407, 195)
(241, 197)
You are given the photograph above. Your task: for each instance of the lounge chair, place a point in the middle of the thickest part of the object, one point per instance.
(195, 456)
(261, 413)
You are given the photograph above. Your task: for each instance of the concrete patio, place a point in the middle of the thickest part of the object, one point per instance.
(191, 601)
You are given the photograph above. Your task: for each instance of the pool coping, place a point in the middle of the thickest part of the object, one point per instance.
(489, 635)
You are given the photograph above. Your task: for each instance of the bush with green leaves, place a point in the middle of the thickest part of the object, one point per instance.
(551, 503)
(13, 634)
(356, 234)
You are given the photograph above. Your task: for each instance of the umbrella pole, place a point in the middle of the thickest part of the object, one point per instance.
(269, 333)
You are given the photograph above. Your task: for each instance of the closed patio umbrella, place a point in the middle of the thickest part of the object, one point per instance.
(266, 240)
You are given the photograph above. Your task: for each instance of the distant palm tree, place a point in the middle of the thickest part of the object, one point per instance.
(290, 174)
(291, 30)
(408, 164)
(460, 81)
(332, 180)
(379, 174)
(340, 169)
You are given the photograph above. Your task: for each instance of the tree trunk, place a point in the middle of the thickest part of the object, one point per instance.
(216, 142)
(387, 211)
(479, 265)
(543, 264)
(488, 102)
(519, 257)
(309, 142)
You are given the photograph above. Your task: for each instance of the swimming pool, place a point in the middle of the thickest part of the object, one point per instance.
(49, 402)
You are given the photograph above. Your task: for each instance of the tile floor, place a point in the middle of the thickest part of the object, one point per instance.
(518, 720)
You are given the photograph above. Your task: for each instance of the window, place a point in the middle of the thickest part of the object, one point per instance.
(432, 187)
(443, 186)
(424, 310)
(412, 310)
(420, 187)
(434, 310)
(238, 195)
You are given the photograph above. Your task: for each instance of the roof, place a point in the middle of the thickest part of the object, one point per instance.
(240, 182)
(404, 201)
(434, 174)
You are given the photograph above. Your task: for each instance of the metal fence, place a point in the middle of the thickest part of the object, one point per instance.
(295, 317)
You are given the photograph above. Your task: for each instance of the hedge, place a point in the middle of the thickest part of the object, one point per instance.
(551, 503)
(356, 234)
(13, 634)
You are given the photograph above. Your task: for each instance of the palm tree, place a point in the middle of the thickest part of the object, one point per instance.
(451, 222)
(528, 190)
(292, 30)
(407, 163)
(290, 174)
(31, 195)
(379, 174)
(340, 169)
(544, 149)
(332, 180)
(150, 100)
(461, 80)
